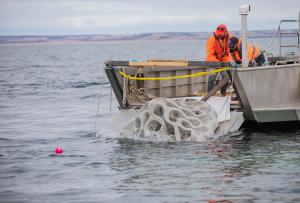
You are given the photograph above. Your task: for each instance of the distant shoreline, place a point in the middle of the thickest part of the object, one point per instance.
(115, 38)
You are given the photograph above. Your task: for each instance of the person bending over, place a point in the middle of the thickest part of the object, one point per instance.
(255, 55)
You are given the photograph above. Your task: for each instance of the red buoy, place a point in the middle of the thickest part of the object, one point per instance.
(58, 150)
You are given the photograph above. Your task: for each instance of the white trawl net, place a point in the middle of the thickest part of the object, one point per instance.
(178, 119)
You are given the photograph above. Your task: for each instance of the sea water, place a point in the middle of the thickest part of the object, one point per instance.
(49, 97)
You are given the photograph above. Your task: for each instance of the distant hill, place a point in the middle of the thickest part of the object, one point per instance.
(144, 36)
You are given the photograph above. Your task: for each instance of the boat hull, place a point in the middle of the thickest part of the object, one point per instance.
(269, 94)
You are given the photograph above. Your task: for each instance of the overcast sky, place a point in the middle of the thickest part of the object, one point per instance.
(65, 17)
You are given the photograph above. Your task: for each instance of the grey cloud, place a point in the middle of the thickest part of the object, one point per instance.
(135, 16)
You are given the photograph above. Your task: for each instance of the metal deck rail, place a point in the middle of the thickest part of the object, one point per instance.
(128, 90)
(281, 33)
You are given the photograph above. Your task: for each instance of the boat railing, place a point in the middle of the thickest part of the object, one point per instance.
(135, 82)
(280, 33)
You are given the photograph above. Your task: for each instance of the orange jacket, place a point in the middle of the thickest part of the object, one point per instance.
(252, 52)
(217, 49)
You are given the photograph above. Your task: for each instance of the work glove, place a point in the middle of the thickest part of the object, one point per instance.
(252, 63)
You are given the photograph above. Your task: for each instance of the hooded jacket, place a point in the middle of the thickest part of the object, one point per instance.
(217, 48)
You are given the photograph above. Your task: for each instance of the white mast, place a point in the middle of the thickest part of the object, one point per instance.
(244, 11)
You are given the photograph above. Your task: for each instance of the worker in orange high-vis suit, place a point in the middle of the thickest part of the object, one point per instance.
(217, 50)
(255, 55)
(217, 45)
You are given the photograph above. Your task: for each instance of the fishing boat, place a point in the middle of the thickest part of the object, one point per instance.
(269, 93)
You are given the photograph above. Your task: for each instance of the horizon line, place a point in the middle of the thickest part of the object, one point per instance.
(55, 35)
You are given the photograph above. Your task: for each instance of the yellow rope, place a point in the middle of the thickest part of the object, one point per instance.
(174, 77)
